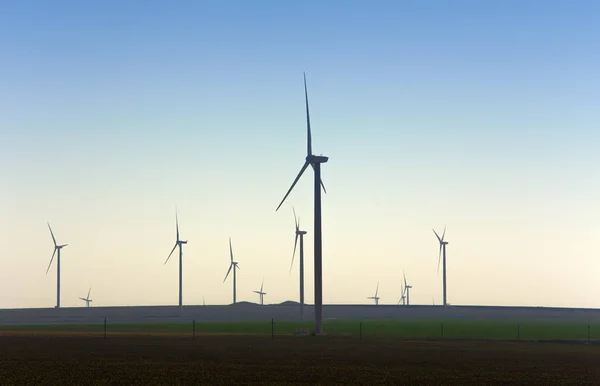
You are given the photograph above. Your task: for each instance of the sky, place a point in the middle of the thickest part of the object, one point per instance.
(479, 116)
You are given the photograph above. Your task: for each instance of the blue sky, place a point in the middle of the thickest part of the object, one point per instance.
(478, 115)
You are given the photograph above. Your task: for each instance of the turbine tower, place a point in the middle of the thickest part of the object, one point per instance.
(442, 249)
(315, 162)
(261, 293)
(407, 288)
(56, 248)
(299, 234)
(180, 244)
(235, 267)
(376, 298)
(87, 300)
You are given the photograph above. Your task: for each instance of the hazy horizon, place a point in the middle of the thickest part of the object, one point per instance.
(478, 116)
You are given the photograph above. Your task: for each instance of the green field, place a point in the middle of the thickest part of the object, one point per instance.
(451, 329)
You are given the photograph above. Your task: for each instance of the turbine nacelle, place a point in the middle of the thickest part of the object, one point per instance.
(316, 159)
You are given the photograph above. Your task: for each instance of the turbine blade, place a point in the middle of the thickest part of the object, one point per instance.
(230, 251)
(296, 220)
(261, 285)
(294, 254)
(256, 292)
(85, 300)
(443, 234)
(90, 290)
(293, 184)
(177, 223)
(439, 259)
(308, 133)
(53, 239)
(322, 185)
(52, 258)
(229, 270)
(377, 290)
(172, 250)
(436, 235)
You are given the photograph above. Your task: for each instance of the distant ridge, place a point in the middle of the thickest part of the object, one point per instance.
(289, 303)
(243, 304)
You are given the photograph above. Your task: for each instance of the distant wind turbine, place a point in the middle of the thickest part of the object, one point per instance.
(442, 249)
(403, 297)
(299, 234)
(56, 248)
(87, 300)
(407, 288)
(376, 298)
(235, 267)
(261, 293)
(314, 161)
(179, 243)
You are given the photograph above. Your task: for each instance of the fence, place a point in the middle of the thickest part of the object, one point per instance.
(529, 330)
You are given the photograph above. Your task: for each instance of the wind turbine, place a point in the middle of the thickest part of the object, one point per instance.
(376, 298)
(235, 267)
(261, 293)
(56, 248)
(407, 288)
(314, 161)
(442, 248)
(300, 234)
(403, 297)
(87, 300)
(180, 244)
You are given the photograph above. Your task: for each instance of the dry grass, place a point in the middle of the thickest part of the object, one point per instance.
(37, 359)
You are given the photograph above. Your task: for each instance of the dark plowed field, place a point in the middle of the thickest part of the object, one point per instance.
(310, 360)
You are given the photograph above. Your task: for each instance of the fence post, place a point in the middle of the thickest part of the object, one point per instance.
(442, 330)
(272, 329)
(360, 331)
(518, 332)
(104, 328)
(194, 329)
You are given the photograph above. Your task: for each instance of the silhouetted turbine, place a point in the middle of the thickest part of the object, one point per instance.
(235, 267)
(87, 300)
(56, 248)
(442, 249)
(315, 162)
(260, 293)
(299, 234)
(376, 298)
(180, 244)
(407, 288)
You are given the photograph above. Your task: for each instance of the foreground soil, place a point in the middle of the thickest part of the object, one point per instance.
(234, 360)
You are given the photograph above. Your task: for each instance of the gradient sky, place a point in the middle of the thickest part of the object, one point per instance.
(479, 115)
